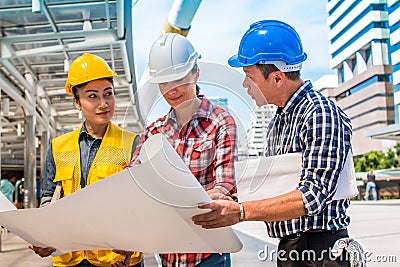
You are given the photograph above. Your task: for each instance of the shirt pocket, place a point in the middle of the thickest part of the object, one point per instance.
(103, 171)
(202, 155)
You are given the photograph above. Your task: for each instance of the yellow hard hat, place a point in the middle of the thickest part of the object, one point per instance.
(86, 68)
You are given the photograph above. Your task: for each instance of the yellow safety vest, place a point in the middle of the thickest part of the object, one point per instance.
(114, 152)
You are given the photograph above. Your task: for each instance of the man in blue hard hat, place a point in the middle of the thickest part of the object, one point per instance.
(307, 219)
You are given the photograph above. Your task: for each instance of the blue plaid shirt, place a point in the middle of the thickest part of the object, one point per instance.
(313, 125)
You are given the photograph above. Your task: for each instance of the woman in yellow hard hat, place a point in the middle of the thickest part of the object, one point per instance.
(71, 160)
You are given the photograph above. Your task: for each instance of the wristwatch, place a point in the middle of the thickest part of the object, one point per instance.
(241, 218)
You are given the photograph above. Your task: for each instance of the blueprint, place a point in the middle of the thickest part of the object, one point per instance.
(147, 207)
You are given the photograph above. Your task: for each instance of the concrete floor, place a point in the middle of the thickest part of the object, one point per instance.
(376, 225)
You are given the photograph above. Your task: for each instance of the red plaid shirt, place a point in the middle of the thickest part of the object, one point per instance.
(208, 148)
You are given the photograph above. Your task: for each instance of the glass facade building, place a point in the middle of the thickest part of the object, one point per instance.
(363, 45)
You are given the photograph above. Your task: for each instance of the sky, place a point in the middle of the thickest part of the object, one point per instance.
(219, 25)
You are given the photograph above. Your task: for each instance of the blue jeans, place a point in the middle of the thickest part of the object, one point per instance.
(216, 260)
(371, 186)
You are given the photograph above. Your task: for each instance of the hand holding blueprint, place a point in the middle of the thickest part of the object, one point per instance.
(146, 208)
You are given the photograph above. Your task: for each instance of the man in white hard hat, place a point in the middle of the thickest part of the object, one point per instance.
(204, 135)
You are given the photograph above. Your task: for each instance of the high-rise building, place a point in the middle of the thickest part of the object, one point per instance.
(394, 50)
(360, 34)
(326, 85)
(258, 125)
(220, 102)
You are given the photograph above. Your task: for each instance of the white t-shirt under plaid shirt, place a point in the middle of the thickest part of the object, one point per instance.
(312, 124)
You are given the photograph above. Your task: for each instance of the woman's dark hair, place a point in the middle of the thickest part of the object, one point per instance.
(194, 69)
(82, 85)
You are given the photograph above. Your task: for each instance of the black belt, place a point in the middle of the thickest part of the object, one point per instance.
(315, 232)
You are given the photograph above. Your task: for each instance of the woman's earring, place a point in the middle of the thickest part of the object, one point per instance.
(80, 116)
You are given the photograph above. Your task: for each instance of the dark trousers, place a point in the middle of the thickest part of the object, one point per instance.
(312, 248)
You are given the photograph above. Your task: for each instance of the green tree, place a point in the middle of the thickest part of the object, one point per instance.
(391, 159)
(375, 160)
(397, 149)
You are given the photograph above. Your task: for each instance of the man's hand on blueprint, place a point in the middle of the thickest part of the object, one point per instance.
(223, 213)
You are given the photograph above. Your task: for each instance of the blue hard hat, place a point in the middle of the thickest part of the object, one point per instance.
(270, 42)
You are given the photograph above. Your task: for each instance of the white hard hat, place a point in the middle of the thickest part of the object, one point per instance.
(171, 58)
